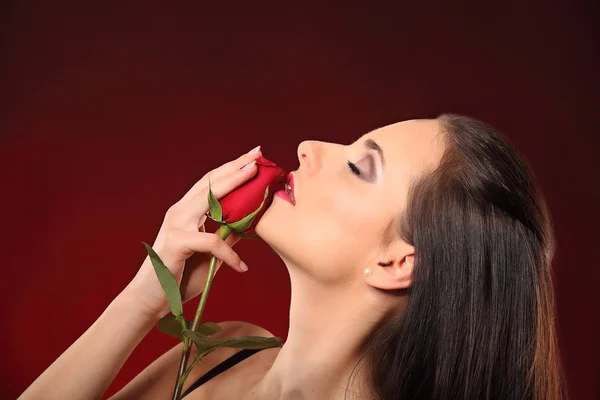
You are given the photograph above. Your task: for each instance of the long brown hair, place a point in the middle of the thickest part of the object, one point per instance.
(480, 319)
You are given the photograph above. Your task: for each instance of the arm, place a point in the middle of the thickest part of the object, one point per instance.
(88, 366)
(86, 369)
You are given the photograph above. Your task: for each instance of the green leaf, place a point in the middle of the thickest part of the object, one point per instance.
(171, 326)
(167, 281)
(207, 352)
(205, 344)
(216, 212)
(207, 328)
(244, 223)
(184, 323)
(251, 342)
(210, 216)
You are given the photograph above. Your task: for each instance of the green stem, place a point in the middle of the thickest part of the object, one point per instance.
(190, 368)
(224, 232)
(181, 370)
(184, 327)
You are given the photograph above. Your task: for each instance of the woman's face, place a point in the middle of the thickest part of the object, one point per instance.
(344, 217)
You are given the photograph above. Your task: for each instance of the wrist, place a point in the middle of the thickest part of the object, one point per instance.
(128, 303)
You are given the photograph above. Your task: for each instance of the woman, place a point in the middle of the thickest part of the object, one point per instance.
(419, 258)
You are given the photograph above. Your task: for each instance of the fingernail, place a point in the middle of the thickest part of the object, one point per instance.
(248, 166)
(254, 150)
(243, 266)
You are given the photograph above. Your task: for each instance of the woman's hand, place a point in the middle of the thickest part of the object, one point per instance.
(89, 365)
(184, 246)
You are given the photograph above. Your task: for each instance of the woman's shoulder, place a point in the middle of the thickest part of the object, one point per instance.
(229, 329)
(237, 379)
(241, 328)
(158, 377)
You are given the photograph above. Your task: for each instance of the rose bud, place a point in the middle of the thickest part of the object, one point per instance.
(242, 208)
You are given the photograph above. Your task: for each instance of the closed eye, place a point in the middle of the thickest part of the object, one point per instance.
(354, 168)
(368, 172)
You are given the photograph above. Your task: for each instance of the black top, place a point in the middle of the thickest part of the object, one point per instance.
(228, 363)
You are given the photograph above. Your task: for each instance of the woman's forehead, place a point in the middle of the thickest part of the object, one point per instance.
(414, 144)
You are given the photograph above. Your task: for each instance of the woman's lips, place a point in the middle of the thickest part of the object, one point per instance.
(290, 187)
(287, 193)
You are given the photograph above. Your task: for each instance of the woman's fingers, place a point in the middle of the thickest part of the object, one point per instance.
(232, 239)
(221, 187)
(234, 165)
(196, 271)
(191, 209)
(189, 213)
(202, 242)
(224, 170)
(182, 241)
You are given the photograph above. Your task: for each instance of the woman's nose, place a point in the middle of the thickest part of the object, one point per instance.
(309, 155)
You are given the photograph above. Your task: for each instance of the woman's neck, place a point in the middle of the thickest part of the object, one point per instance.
(328, 327)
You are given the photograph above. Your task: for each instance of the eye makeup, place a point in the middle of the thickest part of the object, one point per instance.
(364, 168)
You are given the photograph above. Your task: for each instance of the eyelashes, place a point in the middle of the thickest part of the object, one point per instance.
(369, 175)
(354, 169)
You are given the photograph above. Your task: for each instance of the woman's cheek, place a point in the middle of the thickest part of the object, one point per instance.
(355, 217)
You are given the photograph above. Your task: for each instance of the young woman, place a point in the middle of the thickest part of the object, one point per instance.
(419, 258)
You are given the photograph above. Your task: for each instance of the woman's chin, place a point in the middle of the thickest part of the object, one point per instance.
(265, 226)
(270, 230)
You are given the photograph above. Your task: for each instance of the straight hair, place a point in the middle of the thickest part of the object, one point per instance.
(480, 316)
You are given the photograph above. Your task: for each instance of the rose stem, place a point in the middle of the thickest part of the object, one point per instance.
(224, 232)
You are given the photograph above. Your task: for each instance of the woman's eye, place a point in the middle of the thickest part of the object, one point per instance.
(354, 168)
(366, 169)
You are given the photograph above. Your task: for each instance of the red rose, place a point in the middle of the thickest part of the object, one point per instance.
(247, 198)
(237, 212)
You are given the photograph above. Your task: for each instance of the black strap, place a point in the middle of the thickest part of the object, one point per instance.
(228, 363)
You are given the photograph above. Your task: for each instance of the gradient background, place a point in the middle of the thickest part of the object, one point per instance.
(110, 113)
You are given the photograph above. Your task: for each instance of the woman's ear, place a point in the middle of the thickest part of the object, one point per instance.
(393, 272)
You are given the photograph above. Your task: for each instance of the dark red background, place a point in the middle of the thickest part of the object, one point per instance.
(110, 113)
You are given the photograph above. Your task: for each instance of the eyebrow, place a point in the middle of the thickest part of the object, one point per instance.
(372, 145)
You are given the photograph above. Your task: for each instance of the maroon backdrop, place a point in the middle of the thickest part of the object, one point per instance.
(108, 115)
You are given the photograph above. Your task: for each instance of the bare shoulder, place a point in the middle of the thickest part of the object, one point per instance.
(241, 328)
(157, 380)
